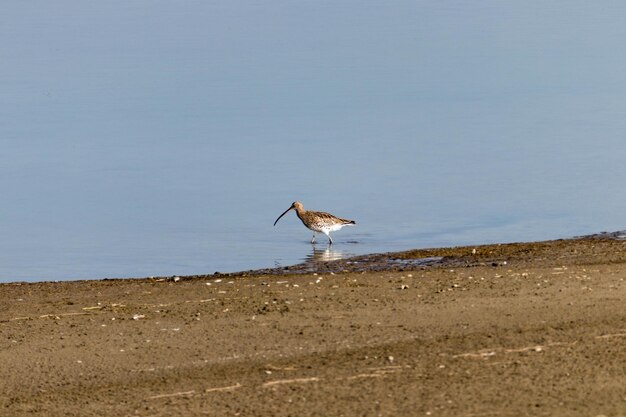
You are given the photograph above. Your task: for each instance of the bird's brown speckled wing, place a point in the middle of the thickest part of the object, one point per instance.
(327, 218)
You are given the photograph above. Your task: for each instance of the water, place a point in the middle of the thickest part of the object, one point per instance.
(158, 137)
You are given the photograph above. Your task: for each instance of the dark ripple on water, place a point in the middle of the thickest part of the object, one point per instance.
(365, 263)
(620, 235)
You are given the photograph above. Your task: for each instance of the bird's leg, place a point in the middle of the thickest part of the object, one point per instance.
(313, 238)
(330, 239)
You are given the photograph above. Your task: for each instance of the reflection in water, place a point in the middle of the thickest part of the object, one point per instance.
(319, 254)
(325, 255)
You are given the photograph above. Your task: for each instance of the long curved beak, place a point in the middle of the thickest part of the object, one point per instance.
(282, 215)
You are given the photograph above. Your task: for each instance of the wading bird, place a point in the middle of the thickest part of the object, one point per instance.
(318, 221)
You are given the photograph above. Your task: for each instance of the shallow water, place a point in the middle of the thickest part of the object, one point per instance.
(155, 138)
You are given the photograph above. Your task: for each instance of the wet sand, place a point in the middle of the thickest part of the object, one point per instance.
(498, 330)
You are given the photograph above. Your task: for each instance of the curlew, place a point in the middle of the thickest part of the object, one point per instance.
(318, 221)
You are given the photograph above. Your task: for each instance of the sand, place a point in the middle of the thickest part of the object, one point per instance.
(499, 330)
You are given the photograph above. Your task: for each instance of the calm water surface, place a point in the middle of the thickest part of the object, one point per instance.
(160, 137)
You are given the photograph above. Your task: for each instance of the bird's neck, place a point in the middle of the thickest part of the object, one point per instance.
(300, 211)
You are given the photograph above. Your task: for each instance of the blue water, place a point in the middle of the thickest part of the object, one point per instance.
(161, 137)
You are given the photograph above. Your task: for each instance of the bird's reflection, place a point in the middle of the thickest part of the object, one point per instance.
(324, 254)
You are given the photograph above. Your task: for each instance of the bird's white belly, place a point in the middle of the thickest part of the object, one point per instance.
(327, 228)
(334, 227)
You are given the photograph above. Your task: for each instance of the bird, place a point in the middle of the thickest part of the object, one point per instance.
(318, 221)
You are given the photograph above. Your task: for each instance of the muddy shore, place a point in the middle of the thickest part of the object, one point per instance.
(536, 329)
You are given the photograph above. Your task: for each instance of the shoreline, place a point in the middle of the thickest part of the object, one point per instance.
(383, 261)
(504, 329)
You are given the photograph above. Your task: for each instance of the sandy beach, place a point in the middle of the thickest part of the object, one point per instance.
(536, 329)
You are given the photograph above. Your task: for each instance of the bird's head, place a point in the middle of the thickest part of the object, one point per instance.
(296, 205)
